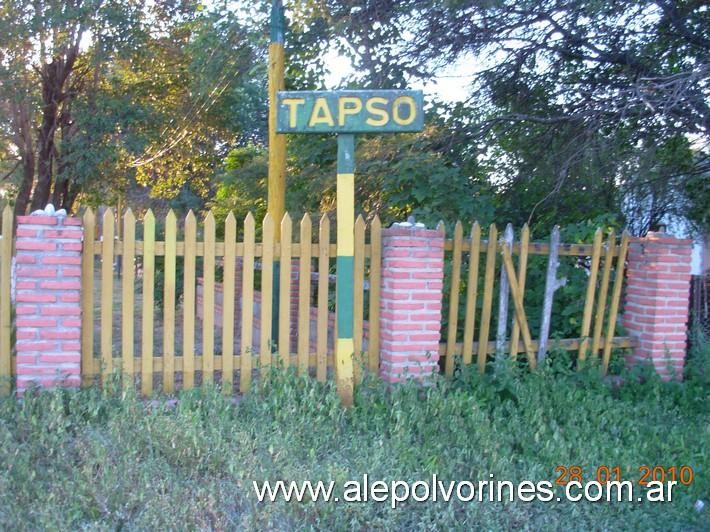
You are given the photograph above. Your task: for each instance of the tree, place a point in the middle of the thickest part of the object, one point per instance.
(597, 87)
(102, 94)
(45, 67)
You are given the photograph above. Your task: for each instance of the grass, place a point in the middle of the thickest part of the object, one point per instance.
(87, 460)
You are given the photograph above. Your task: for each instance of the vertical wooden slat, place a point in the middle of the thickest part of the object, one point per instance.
(128, 298)
(375, 281)
(247, 305)
(169, 301)
(87, 298)
(487, 297)
(5, 318)
(603, 290)
(358, 295)
(522, 274)
(471, 294)
(107, 296)
(267, 289)
(229, 264)
(304, 295)
(188, 303)
(148, 303)
(552, 283)
(208, 301)
(615, 298)
(322, 320)
(284, 347)
(519, 309)
(589, 297)
(454, 299)
(504, 297)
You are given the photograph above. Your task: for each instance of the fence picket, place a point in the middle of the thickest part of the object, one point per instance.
(228, 284)
(322, 320)
(169, 263)
(503, 297)
(148, 303)
(267, 287)
(454, 299)
(519, 308)
(375, 281)
(284, 347)
(589, 296)
(304, 295)
(615, 298)
(358, 295)
(87, 298)
(208, 265)
(603, 290)
(522, 274)
(188, 298)
(5, 312)
(247, 305)
(107, 296)
(552, 283)
(128, 273)
(487, 297)
(471, 294)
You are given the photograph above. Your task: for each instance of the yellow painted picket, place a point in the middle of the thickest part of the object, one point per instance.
(198, 345)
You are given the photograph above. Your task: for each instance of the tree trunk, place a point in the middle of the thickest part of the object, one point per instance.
(23, 140)
(51, 91)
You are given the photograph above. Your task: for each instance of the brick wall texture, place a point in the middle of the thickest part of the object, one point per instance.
(410, 302)
(656, 302)
(48, 301)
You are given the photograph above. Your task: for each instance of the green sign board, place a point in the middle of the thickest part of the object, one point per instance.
(376, 111)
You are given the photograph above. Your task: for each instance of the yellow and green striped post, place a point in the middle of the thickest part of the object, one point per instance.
(276, 202)
(346, 113)
(344, 265)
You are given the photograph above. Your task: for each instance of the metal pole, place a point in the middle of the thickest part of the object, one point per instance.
(344, 266)
(276, 200)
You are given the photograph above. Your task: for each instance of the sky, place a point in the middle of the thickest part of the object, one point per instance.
(450, 84)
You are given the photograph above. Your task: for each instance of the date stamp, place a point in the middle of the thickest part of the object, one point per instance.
(602, 474)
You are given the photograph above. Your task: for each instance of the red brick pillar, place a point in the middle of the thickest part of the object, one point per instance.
(410, 302)
(48, 299)
(656, 305)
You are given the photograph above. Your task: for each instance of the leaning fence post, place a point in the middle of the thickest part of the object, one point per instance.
(552, 283)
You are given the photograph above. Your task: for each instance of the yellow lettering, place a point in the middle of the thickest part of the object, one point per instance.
(404, 100)
(377, 112)
(348, 105)
(321, 113)
(292, 104)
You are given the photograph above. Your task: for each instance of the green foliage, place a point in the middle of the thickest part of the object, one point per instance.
(242, 186)
(91, 460)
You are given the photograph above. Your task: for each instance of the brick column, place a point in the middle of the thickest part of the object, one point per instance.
(656, 305)
(48, 299)
(410, 302)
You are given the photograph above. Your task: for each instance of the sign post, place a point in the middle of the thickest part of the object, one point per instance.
(276, 202)
(347, 113)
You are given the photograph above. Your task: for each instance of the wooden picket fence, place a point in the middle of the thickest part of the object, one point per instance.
(467, 251)
(6, 251)
(114, 302)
